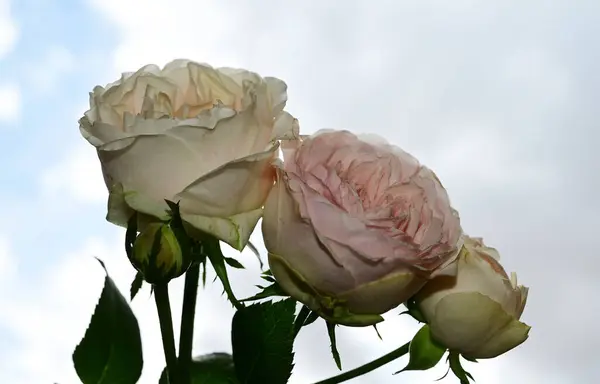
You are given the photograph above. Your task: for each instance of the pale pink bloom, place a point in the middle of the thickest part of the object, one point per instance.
(361, 222)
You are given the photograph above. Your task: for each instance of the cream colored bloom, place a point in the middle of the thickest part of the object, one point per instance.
(191, 133)
(477, 312)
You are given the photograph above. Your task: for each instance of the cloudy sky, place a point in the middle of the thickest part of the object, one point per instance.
(498, 97)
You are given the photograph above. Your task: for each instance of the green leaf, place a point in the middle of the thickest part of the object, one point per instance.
(262, 336)
(111, 350)
(377, 331)
(457, 369)
(213, 368)
(334, 350)
(268, 291)
(256, 253)
(233, 263)
(136, 284)
(424, 352)
(414, 311)
(268, 278)
(215, 255)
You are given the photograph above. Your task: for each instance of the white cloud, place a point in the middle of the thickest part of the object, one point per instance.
(45, 75)
(8, 264)
(10, 102)
(8, 29)
(77, 175)
(157, 31)
(484, 157)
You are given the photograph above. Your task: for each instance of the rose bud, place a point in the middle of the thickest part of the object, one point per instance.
(189, 133)
(476, 312)
(158, 255)
(355, 227)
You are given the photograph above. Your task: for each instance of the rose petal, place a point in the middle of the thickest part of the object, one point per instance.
(234, 230)
(338, 230)
(510, 336)
(123, 204)
(390, 291)
(277, 94)
(173, 162)
(238, 186)
(286, 127)
(467, 321)
(286, 234)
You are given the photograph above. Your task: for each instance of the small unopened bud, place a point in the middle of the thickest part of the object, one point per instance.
(158, 255)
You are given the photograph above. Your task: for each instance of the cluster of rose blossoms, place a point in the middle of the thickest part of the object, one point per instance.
(353, 226)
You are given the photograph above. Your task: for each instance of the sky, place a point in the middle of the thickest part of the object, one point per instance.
(499, 98)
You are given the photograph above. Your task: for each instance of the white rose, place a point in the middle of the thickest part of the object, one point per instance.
(477, 312)
(191, 133)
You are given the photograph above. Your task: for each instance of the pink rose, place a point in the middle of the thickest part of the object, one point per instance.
(356, 227)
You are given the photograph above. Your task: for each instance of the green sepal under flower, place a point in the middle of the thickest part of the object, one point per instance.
(158, 255)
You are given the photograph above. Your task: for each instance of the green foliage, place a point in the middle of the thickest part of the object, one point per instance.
(377, 331)
(136, 284)
(414, 311)
(212, 247)
(213, 368)
(334, 350)
(457, 369)
(233, 262)
(262, 337)
(161, 252)
(111, 350)
(424, 352)
(256, 253)
(268, 291)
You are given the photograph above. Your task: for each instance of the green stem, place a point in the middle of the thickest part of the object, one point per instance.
(163, 306)
(186, 334)
(373, 365)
